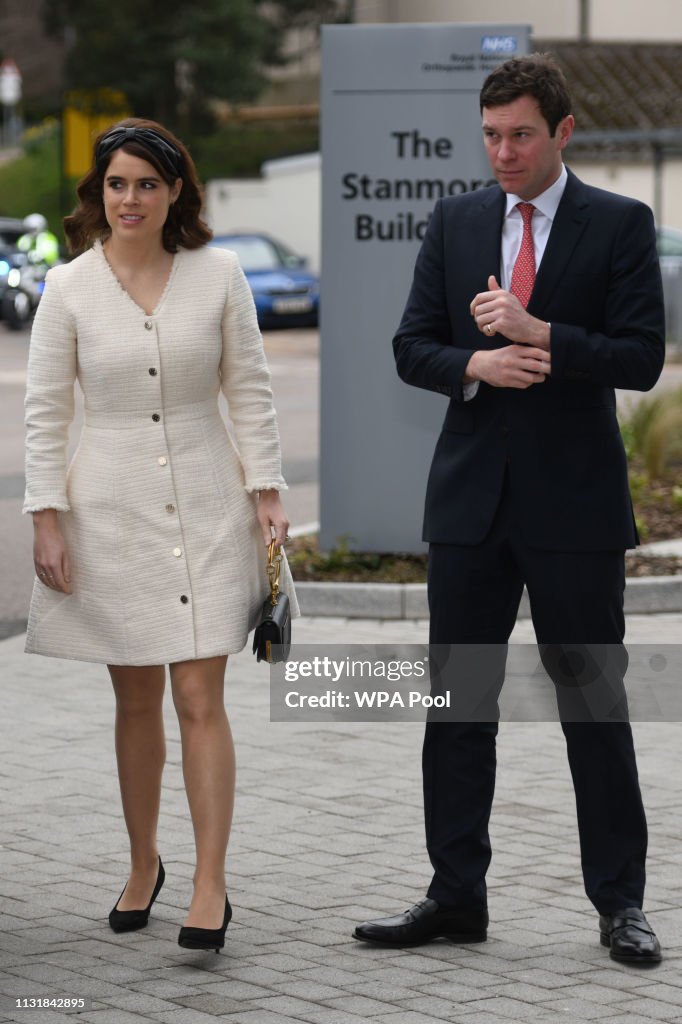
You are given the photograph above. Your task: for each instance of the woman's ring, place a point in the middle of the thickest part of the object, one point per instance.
(489, 328)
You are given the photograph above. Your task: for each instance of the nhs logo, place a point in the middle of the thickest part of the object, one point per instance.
(498, 44)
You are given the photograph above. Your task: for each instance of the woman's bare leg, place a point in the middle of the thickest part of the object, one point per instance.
(208, 766)
(140, 755)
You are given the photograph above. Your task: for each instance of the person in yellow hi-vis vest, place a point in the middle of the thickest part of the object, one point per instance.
(40, 245)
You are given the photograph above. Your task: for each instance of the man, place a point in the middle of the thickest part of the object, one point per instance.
(39, 243)
(530, 303)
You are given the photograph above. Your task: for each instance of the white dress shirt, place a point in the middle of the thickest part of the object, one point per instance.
(546, 205)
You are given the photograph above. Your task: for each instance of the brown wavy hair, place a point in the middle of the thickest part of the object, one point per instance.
(184, 227)
(537, 75)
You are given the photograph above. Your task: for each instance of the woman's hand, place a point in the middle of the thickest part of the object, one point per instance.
(270, 514)
(50, 557)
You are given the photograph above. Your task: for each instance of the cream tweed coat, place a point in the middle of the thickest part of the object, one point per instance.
(158, 506)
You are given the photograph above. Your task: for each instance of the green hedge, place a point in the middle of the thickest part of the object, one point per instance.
(239, 150)
(32, 182)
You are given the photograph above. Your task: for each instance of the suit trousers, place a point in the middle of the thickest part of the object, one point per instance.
(575, 598)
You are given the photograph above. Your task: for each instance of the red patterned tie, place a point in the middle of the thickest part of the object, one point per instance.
(523, 274)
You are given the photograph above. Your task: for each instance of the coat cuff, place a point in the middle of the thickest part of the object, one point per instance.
(265, 485)
(42, 506)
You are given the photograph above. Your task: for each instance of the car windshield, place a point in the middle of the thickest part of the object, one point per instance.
(254, 253)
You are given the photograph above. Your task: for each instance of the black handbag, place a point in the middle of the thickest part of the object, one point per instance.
(272, 638)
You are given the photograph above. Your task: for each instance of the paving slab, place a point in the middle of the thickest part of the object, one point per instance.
(328, 831)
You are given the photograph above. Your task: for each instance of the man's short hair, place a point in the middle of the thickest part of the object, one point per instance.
(538, 76)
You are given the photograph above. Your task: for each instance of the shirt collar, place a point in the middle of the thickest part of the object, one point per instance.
(547, 202)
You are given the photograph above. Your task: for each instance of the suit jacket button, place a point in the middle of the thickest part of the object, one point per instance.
(162, 460)
(170, 508)
(177, 552)
(156, 417)
(184, 598)
(148, 324)
(152, 371)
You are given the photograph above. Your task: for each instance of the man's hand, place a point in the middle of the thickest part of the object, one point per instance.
(499, 312)
(515, 366)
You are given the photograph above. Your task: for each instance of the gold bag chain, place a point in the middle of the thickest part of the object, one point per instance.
(274, 569)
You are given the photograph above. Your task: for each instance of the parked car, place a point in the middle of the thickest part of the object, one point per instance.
(286, 293)
(669, 243)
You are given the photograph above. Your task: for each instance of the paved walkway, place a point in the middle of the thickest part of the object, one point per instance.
(328, 831)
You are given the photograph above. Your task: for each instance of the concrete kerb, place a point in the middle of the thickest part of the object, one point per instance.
(643, 595)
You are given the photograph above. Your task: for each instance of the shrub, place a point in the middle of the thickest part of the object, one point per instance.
(652, 434)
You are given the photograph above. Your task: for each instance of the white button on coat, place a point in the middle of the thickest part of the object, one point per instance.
(124, 608)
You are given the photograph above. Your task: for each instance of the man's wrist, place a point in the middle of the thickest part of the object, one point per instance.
(544, 335)
(471, 373)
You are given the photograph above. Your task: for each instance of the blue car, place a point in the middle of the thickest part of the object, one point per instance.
(285, 293)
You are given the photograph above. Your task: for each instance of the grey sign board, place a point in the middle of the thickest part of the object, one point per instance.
(400, 128)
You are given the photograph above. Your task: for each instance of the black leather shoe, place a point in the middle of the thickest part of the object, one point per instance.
(131, 920)
(206, 938)
(426, 921)
(630, 937)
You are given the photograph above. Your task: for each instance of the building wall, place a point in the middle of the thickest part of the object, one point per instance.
(558, 19)
(285, 203)
(616, 21)
(637, 180)
(608, 20)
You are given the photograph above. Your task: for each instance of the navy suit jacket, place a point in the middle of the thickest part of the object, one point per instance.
(599, 285)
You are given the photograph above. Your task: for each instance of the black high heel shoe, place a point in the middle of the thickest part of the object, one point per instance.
(131, 920)
(206, 938)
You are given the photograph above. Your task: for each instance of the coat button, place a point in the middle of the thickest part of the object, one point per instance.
(184, 598)
(162, 460)
(177, 552)
(152, 371)
(148, 324)
(170, 508)
(156, 417)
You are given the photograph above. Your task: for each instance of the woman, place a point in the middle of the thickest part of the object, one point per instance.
(151, 550)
